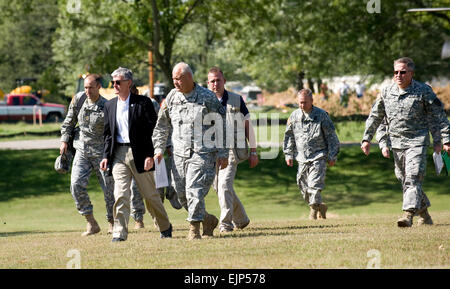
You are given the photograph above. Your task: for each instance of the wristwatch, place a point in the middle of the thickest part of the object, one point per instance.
(253, 153)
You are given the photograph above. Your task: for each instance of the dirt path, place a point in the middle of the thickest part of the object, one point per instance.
(55, 143)
(31, 144)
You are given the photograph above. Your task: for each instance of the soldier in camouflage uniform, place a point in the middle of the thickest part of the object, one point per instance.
(197, 121)
(88, 143)
(411, 110)
(311, 138)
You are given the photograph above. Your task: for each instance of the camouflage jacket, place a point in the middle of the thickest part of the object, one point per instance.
(197, 123)
(90, 120)
(410, 116)
(308, 138)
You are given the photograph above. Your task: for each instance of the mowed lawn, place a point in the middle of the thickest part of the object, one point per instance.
(40, 227)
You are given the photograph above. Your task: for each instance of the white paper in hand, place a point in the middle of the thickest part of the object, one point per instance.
(438, 163)
(161, 179)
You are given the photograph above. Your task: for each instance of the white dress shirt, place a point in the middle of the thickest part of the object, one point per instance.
(122, 120)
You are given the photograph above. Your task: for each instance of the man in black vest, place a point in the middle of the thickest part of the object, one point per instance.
(239, 131)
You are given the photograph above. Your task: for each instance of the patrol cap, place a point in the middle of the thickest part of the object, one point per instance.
(62, 164)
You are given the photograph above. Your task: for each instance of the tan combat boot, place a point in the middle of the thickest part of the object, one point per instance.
(139, 225)
(92, 226)
(406, 220)
(323, 211)
(424, 218)
(210, 222)
(194, 231)
(111, 226)
(313, 210)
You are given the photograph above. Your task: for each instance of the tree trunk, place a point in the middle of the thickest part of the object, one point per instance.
(300, 77)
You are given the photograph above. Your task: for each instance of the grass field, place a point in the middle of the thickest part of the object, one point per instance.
(40, 227)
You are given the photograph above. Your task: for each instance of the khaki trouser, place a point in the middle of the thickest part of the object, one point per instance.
(232, 212)
(123, 171)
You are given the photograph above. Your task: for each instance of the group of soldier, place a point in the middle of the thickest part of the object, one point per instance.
(207, 133)
(178, 131)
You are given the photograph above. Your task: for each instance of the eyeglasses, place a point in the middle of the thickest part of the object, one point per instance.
(402, 72)
(116, 82)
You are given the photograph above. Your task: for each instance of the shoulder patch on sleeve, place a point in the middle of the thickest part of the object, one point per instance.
(164, 104)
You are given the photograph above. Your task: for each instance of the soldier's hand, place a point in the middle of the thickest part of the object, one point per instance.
(63, 148)
(385, 152)
(104, 164)
(437, 148)
(148, 163)
(447, 148)
(223, 163)
(253, 160)
(290, 162)
(366, 148)
(158, 157)
(331, 163)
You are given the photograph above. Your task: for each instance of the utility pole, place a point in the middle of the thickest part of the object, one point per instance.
(151, 74)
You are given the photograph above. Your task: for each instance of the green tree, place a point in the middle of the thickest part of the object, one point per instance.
(279, 40)
(26, 31)
(108, 34)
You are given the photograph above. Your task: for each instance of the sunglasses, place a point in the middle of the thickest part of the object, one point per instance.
(116, 82)
(402, 72)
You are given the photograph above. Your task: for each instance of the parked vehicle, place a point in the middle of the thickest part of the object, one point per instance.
(24, 106)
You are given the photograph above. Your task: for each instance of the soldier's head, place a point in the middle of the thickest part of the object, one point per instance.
(403, 71)
(305, 100)
(122, 81)
(216, 81)
(92, 85)
(183, 78)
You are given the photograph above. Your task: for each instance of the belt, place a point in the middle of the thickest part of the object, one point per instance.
(123, 144)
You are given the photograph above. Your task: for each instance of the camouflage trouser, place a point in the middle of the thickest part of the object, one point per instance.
(311, 180)
(82, 167)
(192, 178)
(410, 167)
(137, 204)
(232, 212)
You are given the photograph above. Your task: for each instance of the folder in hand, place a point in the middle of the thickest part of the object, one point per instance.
(161, 179)
(438, 162)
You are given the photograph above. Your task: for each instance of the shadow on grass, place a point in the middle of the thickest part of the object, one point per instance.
(355, 180)
(30, 173)
(21, 233)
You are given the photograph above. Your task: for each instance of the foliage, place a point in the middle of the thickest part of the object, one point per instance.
(274, 43)
(330, 38)
(108, 34)
(26, 33)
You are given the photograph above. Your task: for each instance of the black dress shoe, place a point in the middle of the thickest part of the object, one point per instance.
(167, 233)
(117, 240)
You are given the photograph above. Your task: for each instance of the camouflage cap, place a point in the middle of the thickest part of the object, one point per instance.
(62, 164)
